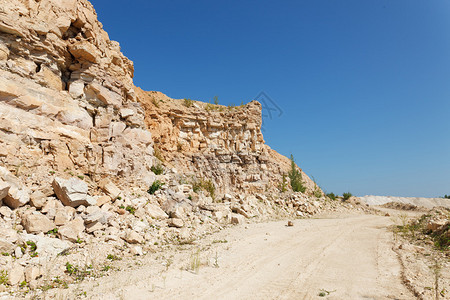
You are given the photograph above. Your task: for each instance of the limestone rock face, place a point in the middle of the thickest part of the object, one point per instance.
(67, 99)
(224, 144)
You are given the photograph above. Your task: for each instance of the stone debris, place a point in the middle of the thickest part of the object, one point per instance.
(175, 222)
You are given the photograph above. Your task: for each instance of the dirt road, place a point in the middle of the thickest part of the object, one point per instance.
(345, 257)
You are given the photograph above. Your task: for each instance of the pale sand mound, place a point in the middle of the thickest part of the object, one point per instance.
(424, 202)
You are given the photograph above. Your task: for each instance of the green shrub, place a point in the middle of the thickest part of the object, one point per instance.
(205, 185)
(317, 192)
(130, 209)
(332, 196)
(296, 177)
(188, 102)
(156, 185)
(346, 196)
(158, 169)
(113, 257)
(283, 184)
(3, 277)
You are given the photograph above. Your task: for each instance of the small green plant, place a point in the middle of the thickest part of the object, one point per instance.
(23, 284)
(3, 277)
(205, 185)
(216, 100)
(209, 107)
(155, 102)
(106, 268)
(130, 209)
(332, 196)
(79, 241)
(188, 102)
(54, 231)
(5, 253)
(190, 197)
(317, 192)
(158, 169)
(113, 257)
(216, 261)
(195, 261)
(296, 177)
(52, 172)
(346, 196)
(156, 185)
(34, 254)
(32, 245)
(81, 177)
(219, 241)
(70, 269)
(283, 185)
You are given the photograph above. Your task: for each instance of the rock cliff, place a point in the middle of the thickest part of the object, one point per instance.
(90, 164)
(221, 143)
(67, 98)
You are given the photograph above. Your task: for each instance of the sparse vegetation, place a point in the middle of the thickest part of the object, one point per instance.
(346, 196)
(3, 277)
(156, 185)
(220, 241)
(283, 185)
(77, 273)
(205, 185)
(216, 100)
(188, 102)
(113, 257)
(332, 196)
(130, 209)
(418, 228)
(209, 107)
(296, 177)
(195, 262)
(446, 197)
(155, 102)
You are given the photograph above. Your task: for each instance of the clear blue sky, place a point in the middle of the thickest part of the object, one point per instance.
(364, 85)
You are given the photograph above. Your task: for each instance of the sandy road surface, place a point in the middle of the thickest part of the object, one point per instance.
(349, 256)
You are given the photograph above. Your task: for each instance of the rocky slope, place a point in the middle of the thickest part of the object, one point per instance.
(78, 142)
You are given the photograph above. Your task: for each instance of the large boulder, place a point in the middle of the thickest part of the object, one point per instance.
(72, 192)
(17, 193)
(72, 230)
(47, 247)
(155, 212)
(4, 188)
(109, 188)
(36, 222)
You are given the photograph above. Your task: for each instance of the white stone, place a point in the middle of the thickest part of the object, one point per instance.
(72, 192)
